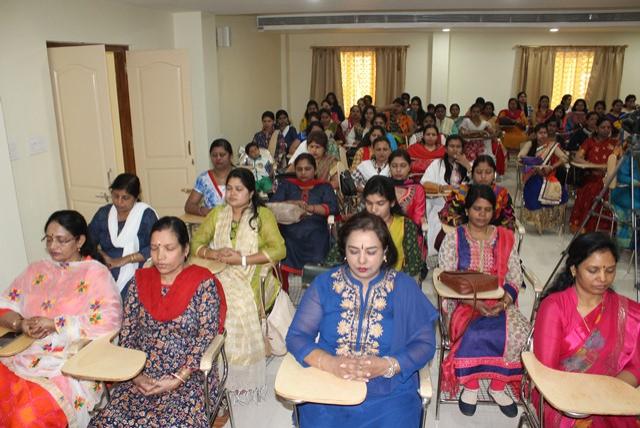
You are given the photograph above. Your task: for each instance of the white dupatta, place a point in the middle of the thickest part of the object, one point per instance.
(127, 239)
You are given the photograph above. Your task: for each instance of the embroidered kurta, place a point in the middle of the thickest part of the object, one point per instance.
(83, 300)
(393, 318)
(169, 346)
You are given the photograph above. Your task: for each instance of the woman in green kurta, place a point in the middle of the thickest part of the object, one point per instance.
(244, 236)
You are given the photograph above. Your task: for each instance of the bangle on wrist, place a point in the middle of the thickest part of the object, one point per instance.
(177, 376)
(15, 325)
(393, 367)
(243, 261)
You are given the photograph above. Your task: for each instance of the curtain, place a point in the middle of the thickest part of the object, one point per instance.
(325, 73)
(358, 75)
(571, 72)
(391, 70)
(606, 74)
(534, 72)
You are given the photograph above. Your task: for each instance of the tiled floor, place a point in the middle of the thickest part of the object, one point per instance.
(540, 253)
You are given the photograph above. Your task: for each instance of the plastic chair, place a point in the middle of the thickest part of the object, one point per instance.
(299, 385)
(445, 292)
(577, 395)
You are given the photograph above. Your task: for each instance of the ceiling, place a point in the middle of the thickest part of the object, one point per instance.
(254, 7)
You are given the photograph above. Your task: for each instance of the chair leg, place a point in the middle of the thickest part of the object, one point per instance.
(296, 416)
(425, 408)
(228, 400)
(439, 392)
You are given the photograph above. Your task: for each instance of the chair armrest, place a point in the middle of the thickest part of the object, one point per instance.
(520, 228)
(532, 279)
(425, 390)
(581, 393)
(212, 352)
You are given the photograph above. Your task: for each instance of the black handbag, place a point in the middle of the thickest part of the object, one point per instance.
(347, 184)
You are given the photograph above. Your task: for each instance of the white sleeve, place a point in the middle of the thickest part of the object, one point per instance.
(302, 148)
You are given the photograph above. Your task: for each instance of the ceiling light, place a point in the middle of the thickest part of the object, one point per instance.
(554, 30)
(446, 30)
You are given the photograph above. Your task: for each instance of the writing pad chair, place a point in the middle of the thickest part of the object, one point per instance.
(576, 395)
(443, 293)
(16, 345)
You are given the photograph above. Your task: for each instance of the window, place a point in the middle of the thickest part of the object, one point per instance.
(358, 72)
(571, 73)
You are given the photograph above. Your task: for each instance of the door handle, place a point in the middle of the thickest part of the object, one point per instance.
(103, 195)
(186, 190)
(189, 147)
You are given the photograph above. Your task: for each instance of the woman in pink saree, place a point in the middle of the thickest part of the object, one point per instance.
(59, 302)
(584, 326)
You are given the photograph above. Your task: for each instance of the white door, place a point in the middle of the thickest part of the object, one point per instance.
(160, 94)
(85, 132)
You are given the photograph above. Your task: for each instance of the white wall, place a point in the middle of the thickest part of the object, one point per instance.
(299, 60)
(25, 87)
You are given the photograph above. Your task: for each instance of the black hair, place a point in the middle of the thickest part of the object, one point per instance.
(534, 141)
(333, 95)
(420, 113)
(559, 107)
(305, 156)
(565, 97)
(480, 101)
(614, 102)
(483, 159)
(398, 101)
(579, 250)
(130, 183)
(249, 145)
(454, 105)
(312, 125)
(580, 100)
(600, 103)
(221, 142)
(489, 103)
(555, 120)
(515, 100)
(175, 225)
(311, 103)
(542, 97)
(405, 95)
(479, 191)
(365, 142)
(399, 153)
(324, 111)
(442, 106)
(629, 97)
(268, 114)
(430, 107)
(368, 97)
(318, 137)
(601, 120)
(424, 132)
(76, 225)
(363, 121)
(448, 167)
(282, 112)
(385, 187)
(382, 138)
(248, 181)
(426, 115)
(365, 221)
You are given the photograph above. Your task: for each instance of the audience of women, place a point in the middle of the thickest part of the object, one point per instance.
(544, 195)
(514, 124)
(61, 303)
(365, 148)
(272, 139)
(584, 326)
(487, 336)
(307, 241)
(595, 152)
(426, 150)
(244, 236)
(209, 189)
(483, 172)
(385, 348)
(410, 195)
(445, 124)
(121, 229)
(477, 134)
(172, 313)
(377, 165)
(443, 176)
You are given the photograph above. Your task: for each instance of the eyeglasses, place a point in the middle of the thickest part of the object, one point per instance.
(60, 241)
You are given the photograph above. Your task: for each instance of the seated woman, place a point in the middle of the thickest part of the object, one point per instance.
(454, 113)
(61, 303)
(334, 133)
(477, 134)
(483, 172)
(328, 168)
(425, 151)
(378, 165)
(596, 151)
(575, 118)
(208, 191)
(486, 338)
(584, 326)
(541, 157)
(365, 148)
(163, 317)
(244, 236)
(386, 349)
(621, 196)
(288, 131)
(273, 140)
(312, 107)
(352, 129)
(308, 240)
(410, 195)
(584, 130)
(430, 119)
(443, 176)
(122, 230)
(514, 124)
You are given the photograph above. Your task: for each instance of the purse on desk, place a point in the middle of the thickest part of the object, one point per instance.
(469, 282)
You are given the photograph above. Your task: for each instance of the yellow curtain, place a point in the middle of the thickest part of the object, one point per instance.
(534, 71)
(358, 69)
(606, 74)
(325, 73)
(391, 71)
(571, 73)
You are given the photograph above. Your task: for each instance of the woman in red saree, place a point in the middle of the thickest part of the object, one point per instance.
(583, 326)
(514, 123)
(425, 151)
(596, 151)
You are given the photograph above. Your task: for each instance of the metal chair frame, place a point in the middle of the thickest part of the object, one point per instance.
(216, 352)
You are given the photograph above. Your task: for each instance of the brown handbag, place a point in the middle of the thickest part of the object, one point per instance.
(469, 282)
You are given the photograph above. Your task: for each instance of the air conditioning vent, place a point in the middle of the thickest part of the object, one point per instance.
(418, 19)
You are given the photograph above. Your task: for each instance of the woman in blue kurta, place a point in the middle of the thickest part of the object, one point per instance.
(308, 240)
(374, 325)
(122, 229)
(621, 198)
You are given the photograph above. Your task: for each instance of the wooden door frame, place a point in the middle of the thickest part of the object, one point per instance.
(122, 87)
